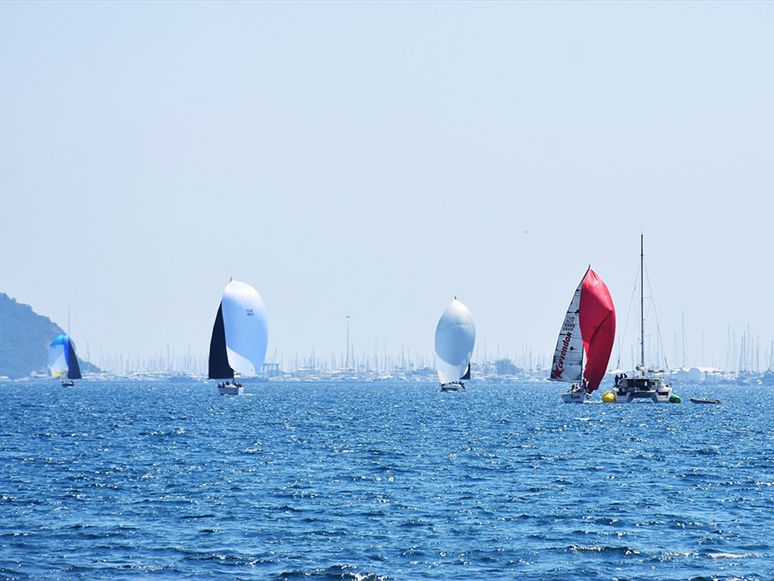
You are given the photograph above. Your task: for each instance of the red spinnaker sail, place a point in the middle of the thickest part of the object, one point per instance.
(597, 323)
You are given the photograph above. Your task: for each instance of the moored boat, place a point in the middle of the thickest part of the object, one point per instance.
(704, 400)
(648, 384)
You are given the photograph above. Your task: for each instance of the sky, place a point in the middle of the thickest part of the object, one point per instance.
(375, 160)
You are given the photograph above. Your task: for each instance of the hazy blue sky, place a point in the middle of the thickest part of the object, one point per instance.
(377, 159)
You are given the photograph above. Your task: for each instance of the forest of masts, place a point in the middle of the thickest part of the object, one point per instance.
(743, 355)
(406, 361)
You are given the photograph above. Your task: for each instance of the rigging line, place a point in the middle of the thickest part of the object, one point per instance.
(628, 316)
(655, 314)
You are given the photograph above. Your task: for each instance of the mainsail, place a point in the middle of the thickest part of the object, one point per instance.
(62, 359)
(455, 337)
(240, 333)
(589, 326)
(568, 356)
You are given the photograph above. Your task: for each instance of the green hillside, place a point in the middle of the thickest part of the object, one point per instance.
(24, 340)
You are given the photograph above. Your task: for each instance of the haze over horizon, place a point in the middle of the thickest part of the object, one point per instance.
(374, 160)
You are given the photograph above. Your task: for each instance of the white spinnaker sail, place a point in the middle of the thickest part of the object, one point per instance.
(455, 337)
(246, 327)
(568, 357)
(57, 357)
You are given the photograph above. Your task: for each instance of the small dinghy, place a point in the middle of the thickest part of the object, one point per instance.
(704, 400)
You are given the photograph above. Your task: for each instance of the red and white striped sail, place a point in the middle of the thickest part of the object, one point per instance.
(590, 323)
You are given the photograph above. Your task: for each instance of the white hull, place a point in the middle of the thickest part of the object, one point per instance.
(231, 390)
(576, 396)
(454, 386)
(631, 389)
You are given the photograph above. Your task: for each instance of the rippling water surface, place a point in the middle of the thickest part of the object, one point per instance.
(381, 481)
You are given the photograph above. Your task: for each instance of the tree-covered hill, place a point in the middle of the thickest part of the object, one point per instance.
(24, 340)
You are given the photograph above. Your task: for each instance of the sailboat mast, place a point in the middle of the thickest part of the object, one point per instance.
(642, 304)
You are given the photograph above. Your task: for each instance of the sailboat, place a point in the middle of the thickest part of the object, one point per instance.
(455, 337)
(239, 337)
(62, 360)
(589, 327)
(649, 383)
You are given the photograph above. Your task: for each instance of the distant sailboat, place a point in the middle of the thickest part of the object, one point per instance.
(62, 360)
(455, 337)
(589, 326)
(239, 337)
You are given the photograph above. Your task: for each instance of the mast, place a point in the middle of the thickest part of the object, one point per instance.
(642, 304)
(347, 364)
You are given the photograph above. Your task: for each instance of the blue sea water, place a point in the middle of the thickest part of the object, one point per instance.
(120, 480)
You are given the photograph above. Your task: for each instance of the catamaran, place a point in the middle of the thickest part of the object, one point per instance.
(455, 336)
(62, 360)
(648, 384)
(239, 337)
(589, 327)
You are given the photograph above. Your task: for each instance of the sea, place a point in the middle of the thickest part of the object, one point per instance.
(371, 481)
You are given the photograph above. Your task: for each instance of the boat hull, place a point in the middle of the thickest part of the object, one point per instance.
(575, 396)
(631, 389)
(454, 386)
(231, 390)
